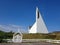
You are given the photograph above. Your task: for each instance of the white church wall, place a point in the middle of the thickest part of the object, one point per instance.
(33, 29)
(41, 27)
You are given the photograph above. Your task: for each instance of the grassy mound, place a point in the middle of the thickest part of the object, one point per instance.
(38, 36)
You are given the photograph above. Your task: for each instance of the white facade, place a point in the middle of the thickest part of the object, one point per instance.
(39, 26)
(17, 37)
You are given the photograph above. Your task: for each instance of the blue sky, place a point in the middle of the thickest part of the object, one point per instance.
(22, 12)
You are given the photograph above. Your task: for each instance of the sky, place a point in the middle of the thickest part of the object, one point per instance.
(22, 13)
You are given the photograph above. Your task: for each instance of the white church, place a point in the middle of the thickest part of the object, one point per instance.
(39, 26)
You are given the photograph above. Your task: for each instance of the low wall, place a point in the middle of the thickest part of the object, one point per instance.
(43, 40)
(37, 40)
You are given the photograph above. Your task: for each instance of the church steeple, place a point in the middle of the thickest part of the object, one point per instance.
(37, 13)
(39, 26)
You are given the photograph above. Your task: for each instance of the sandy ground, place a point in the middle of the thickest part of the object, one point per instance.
(40, 43)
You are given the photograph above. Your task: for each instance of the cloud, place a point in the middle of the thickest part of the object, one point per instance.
(13, 28)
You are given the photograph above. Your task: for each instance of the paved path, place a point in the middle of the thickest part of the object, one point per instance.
(40, 43)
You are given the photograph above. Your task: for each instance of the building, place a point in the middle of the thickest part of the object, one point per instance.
(39, 26)
(17, 37)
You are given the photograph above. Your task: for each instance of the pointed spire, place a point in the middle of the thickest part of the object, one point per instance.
(39, 26)
(37, 13)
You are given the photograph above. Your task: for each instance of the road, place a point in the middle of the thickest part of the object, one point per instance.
(40, 43)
